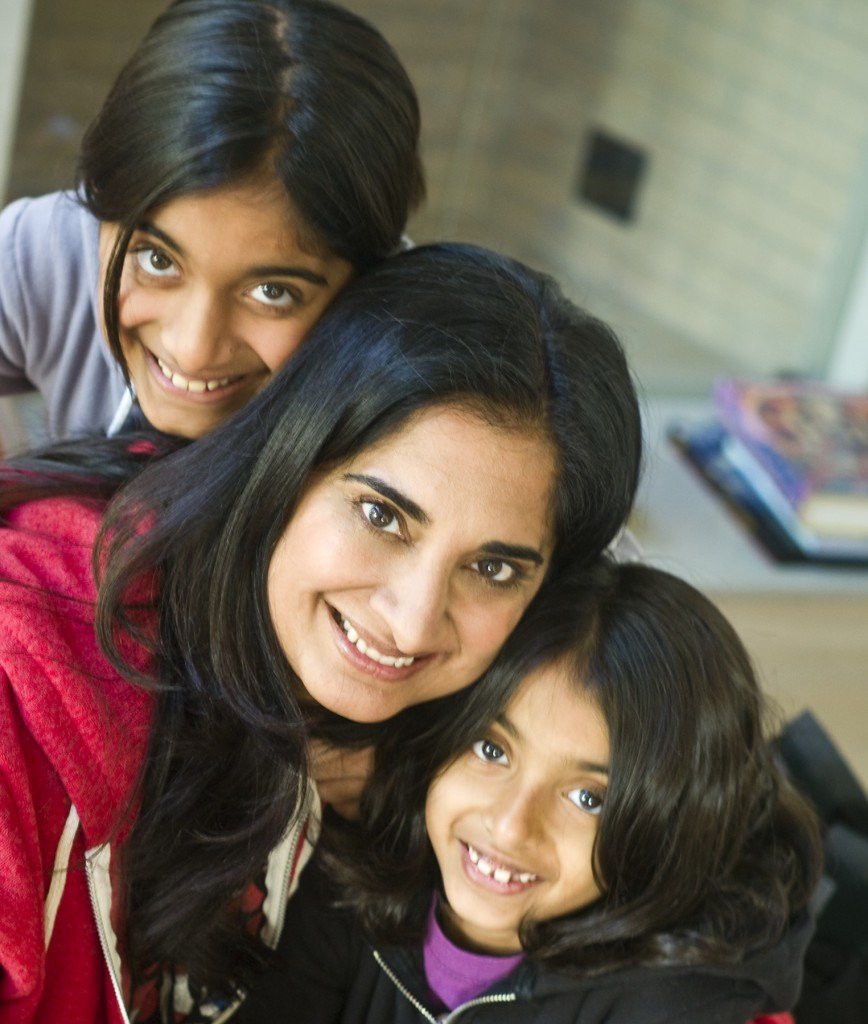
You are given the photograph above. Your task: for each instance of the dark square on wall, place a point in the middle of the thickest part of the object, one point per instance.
(611, 174)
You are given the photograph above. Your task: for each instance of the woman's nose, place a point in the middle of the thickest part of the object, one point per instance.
(414, 603)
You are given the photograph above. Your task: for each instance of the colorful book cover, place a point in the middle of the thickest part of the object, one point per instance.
(811, 443)
(704, 446)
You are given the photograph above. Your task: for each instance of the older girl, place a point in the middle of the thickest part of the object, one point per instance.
(359, 539)
(250, 158)
(597, 833)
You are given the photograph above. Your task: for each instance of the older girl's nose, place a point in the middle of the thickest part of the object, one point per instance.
(196, 334)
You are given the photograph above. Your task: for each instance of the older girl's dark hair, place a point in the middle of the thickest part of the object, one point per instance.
(704, 851)
(219, 90)
(437, 325)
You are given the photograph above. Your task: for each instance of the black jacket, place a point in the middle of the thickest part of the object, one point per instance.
(327, 973)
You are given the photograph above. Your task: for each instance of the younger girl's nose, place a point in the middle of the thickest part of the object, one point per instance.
(514, 817)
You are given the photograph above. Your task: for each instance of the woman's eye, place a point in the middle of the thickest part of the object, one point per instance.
(155, 262)
(381, 517)
(488, 750)
(587, 800)
(277, 296)
(494, 570)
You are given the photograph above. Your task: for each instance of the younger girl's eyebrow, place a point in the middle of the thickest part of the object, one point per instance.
(265, 271)
(509, 727)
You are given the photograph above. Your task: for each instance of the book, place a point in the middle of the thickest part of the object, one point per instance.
(804, 448)
(704, 446)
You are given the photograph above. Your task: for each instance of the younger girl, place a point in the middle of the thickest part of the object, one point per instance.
(608, 837)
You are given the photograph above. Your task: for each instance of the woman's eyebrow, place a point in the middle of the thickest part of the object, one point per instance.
(404, 503)
(265, 271)
(497, 549)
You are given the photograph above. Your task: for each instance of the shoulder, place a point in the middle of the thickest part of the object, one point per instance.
(649, 996)
(50, 251)
(32, 224)
(48, 544)
(90, 724)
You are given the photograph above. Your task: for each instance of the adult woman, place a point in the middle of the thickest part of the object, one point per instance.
(251, 156)
(333, 550)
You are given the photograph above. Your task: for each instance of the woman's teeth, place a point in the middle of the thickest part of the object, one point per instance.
(500, 874)
(188, 383)
(372, 652)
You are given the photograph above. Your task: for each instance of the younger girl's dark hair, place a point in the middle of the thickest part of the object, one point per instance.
(704, 852)
(435, 326)
(221, 90)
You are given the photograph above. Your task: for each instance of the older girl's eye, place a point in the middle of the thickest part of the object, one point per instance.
(586, 800)
(489, 751)
(154, 262)
(494, 570)
(381, 517)
(277, 296)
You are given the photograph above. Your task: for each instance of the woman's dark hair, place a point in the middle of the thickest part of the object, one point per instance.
(704, 852)
(438, 325)
(220, 90)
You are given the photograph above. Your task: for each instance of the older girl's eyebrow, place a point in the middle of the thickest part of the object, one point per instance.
(265, 271)
(404, 503)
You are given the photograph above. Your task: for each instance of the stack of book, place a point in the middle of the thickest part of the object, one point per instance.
(790, 457)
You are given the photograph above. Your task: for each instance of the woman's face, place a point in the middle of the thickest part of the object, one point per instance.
(513, 821)
(404, 570)
(217, 292)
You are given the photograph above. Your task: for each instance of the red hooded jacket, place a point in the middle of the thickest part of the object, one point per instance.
(73, 734)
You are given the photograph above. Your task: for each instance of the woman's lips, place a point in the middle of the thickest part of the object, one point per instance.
(367, 657)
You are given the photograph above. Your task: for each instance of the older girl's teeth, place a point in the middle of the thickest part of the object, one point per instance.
(372, 652)
(188, 384)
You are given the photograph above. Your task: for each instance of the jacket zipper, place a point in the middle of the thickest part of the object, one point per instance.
(89, 859)
(504, 997)
(281, 912)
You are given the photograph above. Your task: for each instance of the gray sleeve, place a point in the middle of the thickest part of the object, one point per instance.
(50, 341)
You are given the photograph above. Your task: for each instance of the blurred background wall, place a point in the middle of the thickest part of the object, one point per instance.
(695, 172)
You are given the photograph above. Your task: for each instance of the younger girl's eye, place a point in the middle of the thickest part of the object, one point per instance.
(277, 296)
(586, 800)
(494, 570)
(488, 750)
(381, 517)
(154, 262)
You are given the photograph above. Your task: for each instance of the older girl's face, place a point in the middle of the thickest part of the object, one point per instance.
(217, 292)
(403, 571)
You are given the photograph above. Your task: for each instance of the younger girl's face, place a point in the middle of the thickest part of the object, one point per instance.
(402, 572)
(217, 292)
(513, 820)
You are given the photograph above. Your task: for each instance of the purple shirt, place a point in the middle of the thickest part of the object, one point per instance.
(454, 975)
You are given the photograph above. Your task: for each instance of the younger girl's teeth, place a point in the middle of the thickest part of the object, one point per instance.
(497, 872)
(372, 652)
